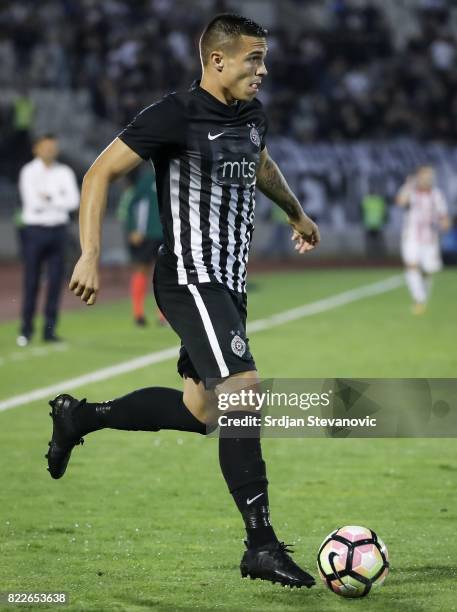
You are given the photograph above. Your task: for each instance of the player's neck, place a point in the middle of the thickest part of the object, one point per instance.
(216, 91)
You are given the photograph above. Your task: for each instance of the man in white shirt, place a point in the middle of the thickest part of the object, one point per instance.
(425, 217)
(49, 192)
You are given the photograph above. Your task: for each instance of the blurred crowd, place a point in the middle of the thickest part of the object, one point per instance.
(346, 80)
(351, 82)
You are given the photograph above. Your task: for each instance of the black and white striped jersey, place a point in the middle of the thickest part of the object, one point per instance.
(205, 155)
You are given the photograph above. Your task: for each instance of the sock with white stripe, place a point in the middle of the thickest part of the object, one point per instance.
(416, 285)
(149, 409)
(240, 457)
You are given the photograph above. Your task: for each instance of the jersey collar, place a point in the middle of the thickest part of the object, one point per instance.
(230, 110)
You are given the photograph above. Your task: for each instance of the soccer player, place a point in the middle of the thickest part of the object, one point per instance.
(208, 148)
(138, 211)
(425, 216)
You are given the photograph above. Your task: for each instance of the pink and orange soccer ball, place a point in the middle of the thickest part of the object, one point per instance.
(352, 560)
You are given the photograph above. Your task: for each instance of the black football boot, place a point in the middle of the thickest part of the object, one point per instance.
(66, 433)
(273, 563)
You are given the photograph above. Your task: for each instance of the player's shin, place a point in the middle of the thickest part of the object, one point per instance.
(138, 291)
(149, 409)
(428, 283)
(416, 286)
(240, 457)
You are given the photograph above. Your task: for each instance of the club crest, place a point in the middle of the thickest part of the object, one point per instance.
(255, 136)
(238, 346)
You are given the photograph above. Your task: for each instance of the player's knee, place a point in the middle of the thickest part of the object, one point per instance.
(195, 404)
(239, 392)
(199, 401)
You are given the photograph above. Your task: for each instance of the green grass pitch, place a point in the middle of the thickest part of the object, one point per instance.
(143, 521)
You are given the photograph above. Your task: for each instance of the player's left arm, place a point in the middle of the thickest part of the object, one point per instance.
(442, 210)
(445, 222)
(272, 183)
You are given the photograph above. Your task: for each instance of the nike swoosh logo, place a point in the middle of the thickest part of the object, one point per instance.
(331, 556)
(213, 137)
(249, 501)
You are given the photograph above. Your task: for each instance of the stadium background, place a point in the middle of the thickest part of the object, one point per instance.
(358, 94)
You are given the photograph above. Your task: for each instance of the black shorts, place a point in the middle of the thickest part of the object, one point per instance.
(210, 320)
(145, 252)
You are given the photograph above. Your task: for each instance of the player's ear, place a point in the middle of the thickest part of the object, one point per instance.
(217, 60)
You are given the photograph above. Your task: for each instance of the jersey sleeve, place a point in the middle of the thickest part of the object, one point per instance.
(156, 130)
(263, 137)
(262, 123)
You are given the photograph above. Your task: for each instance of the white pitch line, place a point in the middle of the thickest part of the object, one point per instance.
(84, 379)
(33, 352)
(293, 314)
(340, 299)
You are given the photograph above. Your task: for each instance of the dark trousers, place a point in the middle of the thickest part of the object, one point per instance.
(375, 247)
(42, 245)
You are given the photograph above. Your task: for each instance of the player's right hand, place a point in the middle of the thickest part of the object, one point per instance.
(84, 280)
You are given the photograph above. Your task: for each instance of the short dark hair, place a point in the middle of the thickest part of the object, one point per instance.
(224, 29)
(47, 136)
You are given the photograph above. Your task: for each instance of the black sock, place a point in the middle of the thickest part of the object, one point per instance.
(149, 409)
(240, 457)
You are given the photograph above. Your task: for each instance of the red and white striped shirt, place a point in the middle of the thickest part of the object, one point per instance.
(421, 221)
